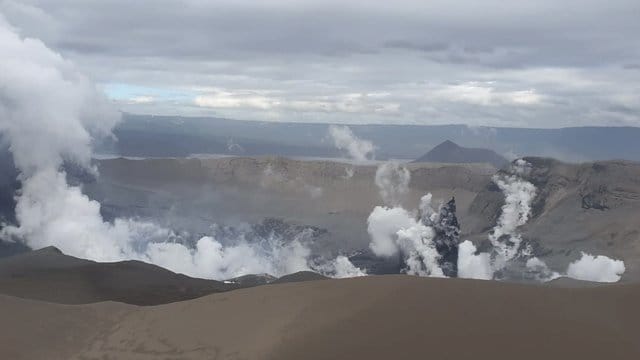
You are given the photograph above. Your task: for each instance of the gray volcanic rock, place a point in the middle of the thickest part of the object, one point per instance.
(450, 152)
(447, 237)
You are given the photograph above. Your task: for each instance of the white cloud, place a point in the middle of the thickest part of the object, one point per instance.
(143, 99)
(487, 95)
(236, 100)
(306, 69)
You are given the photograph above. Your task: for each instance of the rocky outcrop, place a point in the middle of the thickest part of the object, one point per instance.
(447, 238)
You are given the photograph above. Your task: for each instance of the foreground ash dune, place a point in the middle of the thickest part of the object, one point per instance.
(49, 275)
(379, 317)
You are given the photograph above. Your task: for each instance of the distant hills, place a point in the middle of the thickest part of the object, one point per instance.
(171, 136)
(450, 152)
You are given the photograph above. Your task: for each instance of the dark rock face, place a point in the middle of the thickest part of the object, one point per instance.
(447, 238)
(596, 199)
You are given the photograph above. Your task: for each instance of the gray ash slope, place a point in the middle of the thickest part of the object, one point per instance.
(590, 207)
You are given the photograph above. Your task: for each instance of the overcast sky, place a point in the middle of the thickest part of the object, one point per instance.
(544, 63)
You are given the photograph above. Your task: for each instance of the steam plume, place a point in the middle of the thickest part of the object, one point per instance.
(392, 180)
(49, 114)
(342, 267)
(395, 230)
(519, 195)
(344, 139)
(473, 265)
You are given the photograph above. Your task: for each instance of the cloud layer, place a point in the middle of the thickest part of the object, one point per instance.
(546, 64)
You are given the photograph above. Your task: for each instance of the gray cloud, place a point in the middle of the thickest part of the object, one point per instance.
(542, 64)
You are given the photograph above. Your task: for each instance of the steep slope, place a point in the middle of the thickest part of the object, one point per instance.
(382, 317)
(49, 275)
(591, 207)
(450, 152)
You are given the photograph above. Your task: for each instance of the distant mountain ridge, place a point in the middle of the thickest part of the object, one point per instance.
(168, 136)
(450, 152)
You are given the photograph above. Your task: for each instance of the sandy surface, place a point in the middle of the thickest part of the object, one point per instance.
(388, 317)
(49, 275)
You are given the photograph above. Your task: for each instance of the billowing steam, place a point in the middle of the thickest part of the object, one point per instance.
(473, 265)
(395, 230)
(596, 268)
(210, 259)
(49, 114)
(519, 195)
(412, 234)
(344, 139)
(341, 268)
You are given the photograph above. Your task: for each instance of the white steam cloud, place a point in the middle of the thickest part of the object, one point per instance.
(342, 267)
(392, 180)
(344, 139)
(49, 114)
(596, 268)
(519, 195)
(395, 229)
(473, 265)
(210, 259)
(48, 110)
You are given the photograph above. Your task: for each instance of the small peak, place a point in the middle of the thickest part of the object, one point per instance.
(50, 250)
(449, 143)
